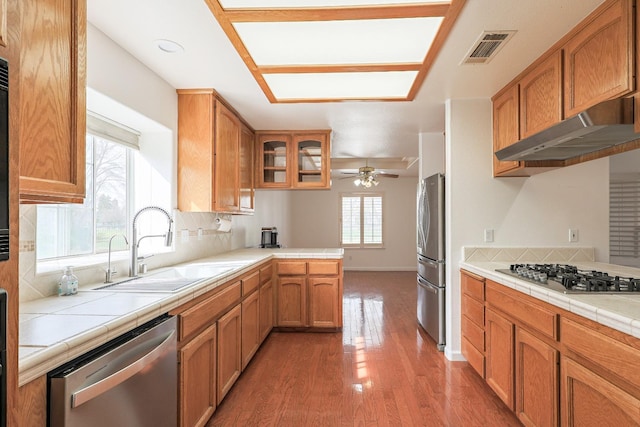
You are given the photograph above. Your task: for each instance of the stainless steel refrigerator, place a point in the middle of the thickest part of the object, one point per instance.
(431, 262)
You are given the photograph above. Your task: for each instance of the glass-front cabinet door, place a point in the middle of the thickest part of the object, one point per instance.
(311, 160)
(274, 161)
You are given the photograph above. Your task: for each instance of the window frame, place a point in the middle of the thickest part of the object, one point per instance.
(92, 138)
(362, 195)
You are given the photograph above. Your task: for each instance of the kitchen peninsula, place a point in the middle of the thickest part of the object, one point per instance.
(55, 330)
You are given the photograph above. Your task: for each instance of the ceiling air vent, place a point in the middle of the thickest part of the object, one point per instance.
(486, 47)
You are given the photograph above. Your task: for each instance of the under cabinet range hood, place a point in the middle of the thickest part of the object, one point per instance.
(604, 125)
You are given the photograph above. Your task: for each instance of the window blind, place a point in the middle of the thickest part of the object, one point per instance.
(105, 128)
(624, 218)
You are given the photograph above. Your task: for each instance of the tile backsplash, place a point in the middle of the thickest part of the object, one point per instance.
(195, 236)
(528, 255)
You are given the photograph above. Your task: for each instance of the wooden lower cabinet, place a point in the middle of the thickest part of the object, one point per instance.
(500, 356)
(323, 302)
(550, 366)
(536, 374)
(590, 400)
(309, 294)
(32, 403)
(198, 378)
(229, 350)
(250, 327)
(292, 301)
(266, 309)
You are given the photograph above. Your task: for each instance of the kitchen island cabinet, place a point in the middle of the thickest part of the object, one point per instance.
(52, 101)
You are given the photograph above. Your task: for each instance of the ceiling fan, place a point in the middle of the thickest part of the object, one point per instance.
(367, 176)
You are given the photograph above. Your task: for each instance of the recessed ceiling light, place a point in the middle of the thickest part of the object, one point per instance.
(168, 46)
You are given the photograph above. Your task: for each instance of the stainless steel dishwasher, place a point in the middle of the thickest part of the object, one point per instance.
(130, 381)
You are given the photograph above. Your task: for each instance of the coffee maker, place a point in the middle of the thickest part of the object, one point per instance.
(269, 237)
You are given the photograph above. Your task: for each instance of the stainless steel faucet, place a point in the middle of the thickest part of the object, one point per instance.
(109, 274)
(168, 237)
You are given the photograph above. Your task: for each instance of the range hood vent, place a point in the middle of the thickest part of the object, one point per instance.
(487, 46)
(604, 125)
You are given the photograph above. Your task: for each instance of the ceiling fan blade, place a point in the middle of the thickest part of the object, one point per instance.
(387, 175)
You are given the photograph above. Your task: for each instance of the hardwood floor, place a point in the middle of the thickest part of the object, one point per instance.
(381, 370)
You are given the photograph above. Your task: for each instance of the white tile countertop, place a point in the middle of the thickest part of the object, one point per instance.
(55, 330)
(617, 311)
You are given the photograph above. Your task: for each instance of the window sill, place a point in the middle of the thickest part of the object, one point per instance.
(88, 261)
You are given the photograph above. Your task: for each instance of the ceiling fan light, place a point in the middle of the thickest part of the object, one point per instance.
(357, 182)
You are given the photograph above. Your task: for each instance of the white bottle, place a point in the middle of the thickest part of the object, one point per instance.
(68, 283)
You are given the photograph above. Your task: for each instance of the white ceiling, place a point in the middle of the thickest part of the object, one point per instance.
(360, 129)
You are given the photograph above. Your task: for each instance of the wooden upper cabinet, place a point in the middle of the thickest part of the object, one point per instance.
(541, 96)
(247, 180)
(599, 59)
(214, 149)
(226, 185)
(506, 126)
(53, 101)
(311, 160)
(273, 160)
(3, 23)
(293, 160)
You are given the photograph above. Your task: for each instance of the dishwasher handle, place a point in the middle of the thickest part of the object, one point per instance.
(96, 389)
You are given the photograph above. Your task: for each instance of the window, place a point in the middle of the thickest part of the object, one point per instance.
(67, 230)
(361, 220)
(624, 218)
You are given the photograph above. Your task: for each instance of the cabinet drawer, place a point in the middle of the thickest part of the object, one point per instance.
(473, 333)
(472, 285)
(326, 268)
(525, 310)
(206, 312)
(607, 352)
(473, 356)
(473, 309)
(266, 273)
(250, 283)
(292, 268)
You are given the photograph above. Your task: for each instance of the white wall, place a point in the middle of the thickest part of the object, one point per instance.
(315, 215)
(534, 211)
(431, 150)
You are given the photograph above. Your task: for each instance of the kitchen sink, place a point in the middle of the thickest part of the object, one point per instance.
(169, 280)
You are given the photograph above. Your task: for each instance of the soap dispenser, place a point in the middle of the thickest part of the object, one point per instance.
(68, 283)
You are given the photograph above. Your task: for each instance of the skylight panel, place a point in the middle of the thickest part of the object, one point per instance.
(374, 41)
(270, 4)
(327, 86)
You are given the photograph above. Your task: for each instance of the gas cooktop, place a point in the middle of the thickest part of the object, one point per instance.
(571, 280)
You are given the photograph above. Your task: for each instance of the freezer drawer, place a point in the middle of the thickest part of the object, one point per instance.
(431, 270)
(431, 311)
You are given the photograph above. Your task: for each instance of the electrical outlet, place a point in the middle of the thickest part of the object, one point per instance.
(573, 234)
(488, 235)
